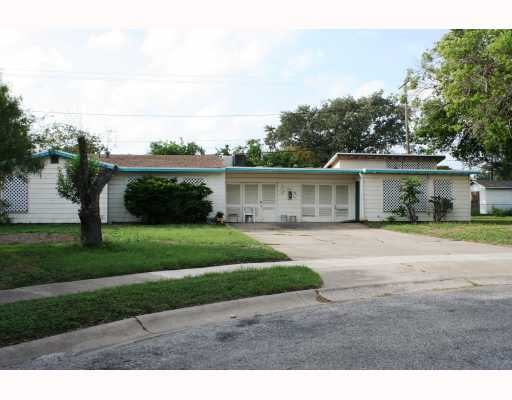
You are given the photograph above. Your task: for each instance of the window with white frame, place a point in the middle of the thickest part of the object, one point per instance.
(15, 193)
(390, 195)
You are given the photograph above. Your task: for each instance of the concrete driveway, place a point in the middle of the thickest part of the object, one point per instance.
(317, 241)
(352, 255)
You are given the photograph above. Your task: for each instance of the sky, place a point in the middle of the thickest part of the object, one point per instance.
(176, 81)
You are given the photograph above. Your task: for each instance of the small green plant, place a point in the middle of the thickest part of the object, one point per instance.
(391, 219)
(4, 216)
(409, 198)
(441, 206)
(159, 200)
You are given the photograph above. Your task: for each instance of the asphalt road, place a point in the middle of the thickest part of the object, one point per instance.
(466, 329)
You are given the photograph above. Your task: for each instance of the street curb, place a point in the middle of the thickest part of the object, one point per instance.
(151, 325)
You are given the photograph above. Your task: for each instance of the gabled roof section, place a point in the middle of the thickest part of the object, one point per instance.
(495, 184)
(151, 163)
(371, 156)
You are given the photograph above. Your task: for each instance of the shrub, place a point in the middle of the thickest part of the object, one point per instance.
(160, 200)
(409, 198)
(441, 206)
(4, 216)
(501, 212)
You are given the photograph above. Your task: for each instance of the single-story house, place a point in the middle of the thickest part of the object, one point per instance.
(350, 187)
(492, 194)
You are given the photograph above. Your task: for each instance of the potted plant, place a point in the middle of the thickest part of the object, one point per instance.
(219, 218)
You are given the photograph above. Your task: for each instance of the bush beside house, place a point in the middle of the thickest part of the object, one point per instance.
(161, 201)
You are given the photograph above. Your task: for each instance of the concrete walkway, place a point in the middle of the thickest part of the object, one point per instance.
(336, 272)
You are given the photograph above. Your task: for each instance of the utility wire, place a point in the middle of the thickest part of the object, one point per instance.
(158, 115)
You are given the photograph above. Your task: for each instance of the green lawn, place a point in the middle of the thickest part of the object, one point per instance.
(32, 319)
(127, 249)
(483, 229)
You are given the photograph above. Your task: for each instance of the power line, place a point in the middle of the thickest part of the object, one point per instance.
(157, 115)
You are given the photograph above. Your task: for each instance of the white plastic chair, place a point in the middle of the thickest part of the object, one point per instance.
(251, 213)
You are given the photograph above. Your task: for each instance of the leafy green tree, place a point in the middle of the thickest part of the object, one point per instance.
(61, 136)
(82, 182)
(224, 151)
(175, 148)
(370, 124)
(16, 145)
(469, 74)
(410, 191)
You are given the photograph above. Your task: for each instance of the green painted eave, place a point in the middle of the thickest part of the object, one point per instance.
(278, 170)
(419, 171)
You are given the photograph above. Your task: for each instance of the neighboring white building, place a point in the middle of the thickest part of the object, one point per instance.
(350, 187)
(493, 194)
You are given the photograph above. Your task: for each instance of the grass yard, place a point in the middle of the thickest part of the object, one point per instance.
(32, 319)
(483, 229)
(127, 249)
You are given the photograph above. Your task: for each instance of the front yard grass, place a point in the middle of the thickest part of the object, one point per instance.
(32, 319)
(127, 249)
(482, 229)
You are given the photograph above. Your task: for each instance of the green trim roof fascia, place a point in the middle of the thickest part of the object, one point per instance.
(418, 171)
(277, 170)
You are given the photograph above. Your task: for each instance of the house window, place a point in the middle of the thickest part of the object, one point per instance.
(443, 188)
(15, 193)
(390, 195)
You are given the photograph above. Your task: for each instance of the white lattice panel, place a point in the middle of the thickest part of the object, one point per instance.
(409, 164)
(423, 197)
(394, 164)
(131, 179)
(443, 188)
(15, 193)
(390, 194)
(194, 180)
(427, 164)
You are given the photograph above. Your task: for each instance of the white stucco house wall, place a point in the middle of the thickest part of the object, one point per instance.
(350, 187)
(493, 194)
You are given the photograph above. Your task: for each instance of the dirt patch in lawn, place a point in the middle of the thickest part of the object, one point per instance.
(28, 238)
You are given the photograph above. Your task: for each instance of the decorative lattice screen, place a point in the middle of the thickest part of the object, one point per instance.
(390, 194)
(443, 188)
(394, 164)
(410, 164)
(132, 179)
(15, 193)
(194, 180)
(423, 197)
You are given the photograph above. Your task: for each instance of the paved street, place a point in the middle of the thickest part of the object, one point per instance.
(468, 329)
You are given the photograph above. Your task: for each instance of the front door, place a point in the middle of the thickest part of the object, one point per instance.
(341, 206)
(268, 202)
(251, 210)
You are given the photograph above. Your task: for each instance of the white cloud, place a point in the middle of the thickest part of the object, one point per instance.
(303, 61)
(369, 88)
(107, 40)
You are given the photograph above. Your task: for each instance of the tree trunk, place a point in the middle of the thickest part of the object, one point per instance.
(90, 190)
(90, 223)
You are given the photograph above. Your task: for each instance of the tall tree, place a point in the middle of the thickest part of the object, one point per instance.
(179, 148)
(16, 145)
(469, 73)
(82, 183)
(61, 136)
(367, 124)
